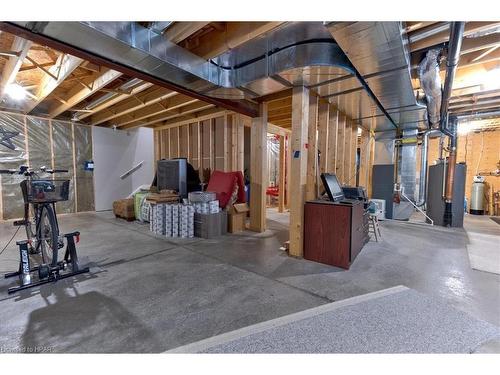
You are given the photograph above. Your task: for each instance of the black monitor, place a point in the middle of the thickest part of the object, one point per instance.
(332, 187)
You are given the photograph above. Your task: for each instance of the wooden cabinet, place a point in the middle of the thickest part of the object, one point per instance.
(334, 233)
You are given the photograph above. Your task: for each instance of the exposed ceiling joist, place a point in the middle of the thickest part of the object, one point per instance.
(183, 120)
(163, 106)
(14, 63)
(179, 31)
(78, 93)
(114, 100)
(172, 113)
(133, 103)
(443, 36)
(470, 45)
(64, 66)
(235, 33)
(274, 129)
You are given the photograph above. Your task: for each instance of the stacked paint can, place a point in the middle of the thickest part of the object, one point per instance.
(172, 220)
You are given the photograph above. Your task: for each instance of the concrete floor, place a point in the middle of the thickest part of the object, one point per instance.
(150, 294)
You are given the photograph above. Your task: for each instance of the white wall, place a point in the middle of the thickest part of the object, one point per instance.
(115, 153)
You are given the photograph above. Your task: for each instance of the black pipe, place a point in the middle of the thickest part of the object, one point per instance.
(454, 47)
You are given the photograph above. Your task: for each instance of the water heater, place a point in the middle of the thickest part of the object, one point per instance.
(477, 196)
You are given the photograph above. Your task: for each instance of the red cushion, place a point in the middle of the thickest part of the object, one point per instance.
(222, 184)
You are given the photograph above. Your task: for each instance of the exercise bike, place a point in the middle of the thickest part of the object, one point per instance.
(42, 230)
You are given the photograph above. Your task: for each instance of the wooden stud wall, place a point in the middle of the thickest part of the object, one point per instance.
(323, 128)
(365, 165)
(300, 126)
(214, 143)
(312, 148)
(258, 170)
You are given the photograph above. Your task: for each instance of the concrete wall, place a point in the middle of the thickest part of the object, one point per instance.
(116, 152)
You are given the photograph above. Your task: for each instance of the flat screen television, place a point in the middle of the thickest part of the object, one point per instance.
(172, 175)
(332, 187)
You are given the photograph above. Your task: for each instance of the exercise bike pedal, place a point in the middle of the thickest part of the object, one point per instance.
(20, 223)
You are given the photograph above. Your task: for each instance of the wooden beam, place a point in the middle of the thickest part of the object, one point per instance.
(189, 110)
(354, 151)
(298, 167)
(340, 152)
(64, 66)
(443, 36)
(364, 158)
(115, 100)
(281, 184)
(201, 116)
(258, 170)
(77, 94)
(288, 165)
(287, 93)
(31, 67)
(241, 143)
(234, 34)
(347, 151)
(13, 65)
(42, 68)
(152, 113)
(133, 103)
(323, 128)
(273, 129)
(470, 45)
(284, 103)
(179, 31)
(333, 126)
(312, 149)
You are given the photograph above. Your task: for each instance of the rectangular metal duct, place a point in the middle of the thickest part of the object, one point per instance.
(379, 51)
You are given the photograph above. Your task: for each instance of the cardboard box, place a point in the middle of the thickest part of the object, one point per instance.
(237, 215)
(124, 208)
(210, 225)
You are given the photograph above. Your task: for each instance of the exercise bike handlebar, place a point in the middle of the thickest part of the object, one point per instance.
(24, 170)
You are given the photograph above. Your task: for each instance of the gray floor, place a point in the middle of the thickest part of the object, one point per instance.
(149, 294)
(393, 320)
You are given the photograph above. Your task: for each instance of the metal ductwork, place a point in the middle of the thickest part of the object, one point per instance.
(129, 44)
(379, 52)
(296, 53)
(430, 82)
(424, 152)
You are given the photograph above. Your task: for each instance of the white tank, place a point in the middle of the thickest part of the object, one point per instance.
(477, 198)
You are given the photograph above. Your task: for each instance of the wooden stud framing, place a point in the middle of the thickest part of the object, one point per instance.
(282, 161)
(347, 152)
(364, 158)
(240, 164)
(64, 66)
(77, 94)
(312, 149)
(258, 170)
(73, 148)
(300, 120)
(288, 163)
(11, 68)
(333, 125)
(340, 153)
(323, 128)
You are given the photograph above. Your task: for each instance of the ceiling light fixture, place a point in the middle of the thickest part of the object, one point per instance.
(16, 91)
